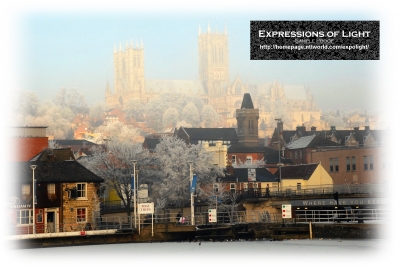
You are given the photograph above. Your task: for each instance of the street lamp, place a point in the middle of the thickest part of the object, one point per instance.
(279, 151)
(33, 197)
(191, 194)
(134, 188)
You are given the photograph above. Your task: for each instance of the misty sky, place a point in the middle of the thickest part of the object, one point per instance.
(74, 49)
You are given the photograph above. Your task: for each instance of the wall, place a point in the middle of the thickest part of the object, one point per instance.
(70, 205)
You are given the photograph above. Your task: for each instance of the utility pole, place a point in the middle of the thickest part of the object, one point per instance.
(279, 150)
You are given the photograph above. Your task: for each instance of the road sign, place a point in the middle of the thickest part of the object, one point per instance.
(146, 208)
(286, 211)
(212, 215)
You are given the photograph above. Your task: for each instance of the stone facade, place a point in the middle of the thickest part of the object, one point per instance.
(214, 86)
(71, 207)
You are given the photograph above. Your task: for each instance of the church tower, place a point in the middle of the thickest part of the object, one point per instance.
(214, 62)
(129, 83)
(247, 122)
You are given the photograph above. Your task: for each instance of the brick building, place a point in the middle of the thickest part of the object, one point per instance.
(65, 193)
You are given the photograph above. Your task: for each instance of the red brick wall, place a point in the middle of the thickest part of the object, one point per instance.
(24, 149)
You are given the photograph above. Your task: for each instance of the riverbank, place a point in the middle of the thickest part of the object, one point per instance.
(169, 232)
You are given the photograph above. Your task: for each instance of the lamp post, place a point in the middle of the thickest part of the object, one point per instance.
(134, 189)
(191, 194)
(279, 151)
(33, 197)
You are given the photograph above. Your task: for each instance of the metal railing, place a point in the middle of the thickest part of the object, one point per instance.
(128, 223)
(342, 215)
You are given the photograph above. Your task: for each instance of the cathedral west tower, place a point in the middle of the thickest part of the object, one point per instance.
(129, 82)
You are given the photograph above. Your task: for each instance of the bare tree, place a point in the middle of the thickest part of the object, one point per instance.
(219, 195)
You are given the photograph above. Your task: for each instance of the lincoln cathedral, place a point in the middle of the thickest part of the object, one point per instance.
(292, 103)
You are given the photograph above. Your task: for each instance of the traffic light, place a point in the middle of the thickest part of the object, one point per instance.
(336, 197)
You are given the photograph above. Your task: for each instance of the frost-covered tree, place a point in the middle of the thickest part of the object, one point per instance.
(116, 131)
(71, 99)
(135, 109)
(172, 157)
(25, 103)
(113, 163)
(209, 116)
(96, 111)
(154, 113)
(190, 114)
(170, 117)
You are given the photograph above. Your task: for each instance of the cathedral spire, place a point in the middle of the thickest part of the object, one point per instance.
(225, 30)
(131, 43)
(120, 46)
(199, 29)
(208, 29)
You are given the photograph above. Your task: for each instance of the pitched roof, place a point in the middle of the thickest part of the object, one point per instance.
(211, 133)
(340, 135)
(297, 171)
(59, 154)
(247, 103)
(151, 141)
(239, 148)
(311, 141)
(241, 174)
(53, 172)
(74, 142)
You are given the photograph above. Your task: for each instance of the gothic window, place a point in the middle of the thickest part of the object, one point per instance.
(251, 124)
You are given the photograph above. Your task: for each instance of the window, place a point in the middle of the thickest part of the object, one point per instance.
(80, 214)
(232, 187)
(81, 190)
(371, 162)
(348, 167)
(245, 186)
(233, 159)
(353, 163)
(299, 186)
(26, 189)
(365, 162)
(24, 217)
(251, 126)
(215, 187)
(249, 159)
(336, 160)
(51, 188)
(334, 164)
(368, 162)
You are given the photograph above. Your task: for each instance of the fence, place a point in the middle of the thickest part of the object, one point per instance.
(126, 223)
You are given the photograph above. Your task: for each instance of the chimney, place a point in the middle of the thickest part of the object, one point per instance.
(313, 129)
(367, 128)
(333, 129)
(229, 170)
(300, 128)
(356, 129)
